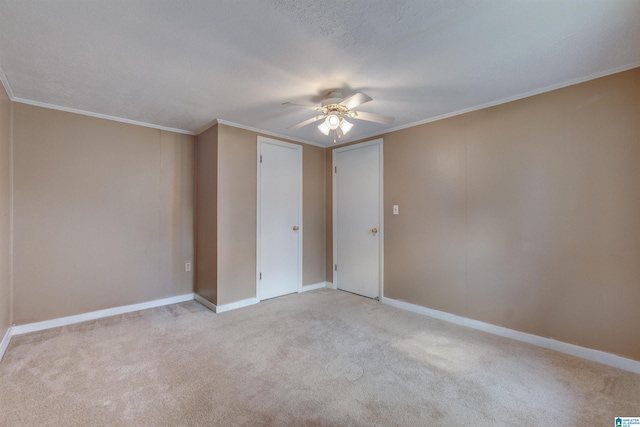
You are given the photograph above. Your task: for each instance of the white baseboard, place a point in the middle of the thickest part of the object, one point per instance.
(69, 320)
(331, 285)
(5, 343)
(563, 347)
(320, 285)
(238, 304)
(249, 301)
(225, 307)
(211, 306)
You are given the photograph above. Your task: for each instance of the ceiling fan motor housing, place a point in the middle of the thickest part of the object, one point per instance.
(333, 97)
(334, 110)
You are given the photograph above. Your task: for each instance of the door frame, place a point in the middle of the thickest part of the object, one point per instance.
(264, 140)
(380, 142)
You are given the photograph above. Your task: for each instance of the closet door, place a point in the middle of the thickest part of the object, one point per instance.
(279, 227)
(357, 218)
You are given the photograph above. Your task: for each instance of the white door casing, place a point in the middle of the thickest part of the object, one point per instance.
(358, 218)
(279, 219)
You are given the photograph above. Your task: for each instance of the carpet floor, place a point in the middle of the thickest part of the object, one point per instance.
(324, 357)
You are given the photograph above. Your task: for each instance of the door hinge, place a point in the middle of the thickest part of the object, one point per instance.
(336, 267)
(335, 169)
(261, 275)
(260, 158)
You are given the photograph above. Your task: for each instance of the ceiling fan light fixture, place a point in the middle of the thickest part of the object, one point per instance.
(345, 126)
(322, 127)
(332, 121)
(334, 110)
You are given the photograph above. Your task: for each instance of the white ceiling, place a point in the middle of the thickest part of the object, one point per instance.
(182, 64)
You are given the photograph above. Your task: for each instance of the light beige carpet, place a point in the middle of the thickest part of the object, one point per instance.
(318, 358)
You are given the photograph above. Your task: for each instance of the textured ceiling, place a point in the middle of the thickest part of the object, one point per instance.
(183, 64)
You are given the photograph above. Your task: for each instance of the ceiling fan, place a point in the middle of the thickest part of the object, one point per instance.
(335, 109)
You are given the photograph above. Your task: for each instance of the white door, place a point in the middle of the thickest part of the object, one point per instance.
(357, 232)
(279, 236)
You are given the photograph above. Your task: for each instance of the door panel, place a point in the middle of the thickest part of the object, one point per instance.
(357, 219)
(279, 212)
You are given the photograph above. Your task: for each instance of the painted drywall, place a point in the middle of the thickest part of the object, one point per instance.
(313, 195)
(206, 234)
(328, 215)
(236, 214)
(5, 213)
(103, 214)
(176, 211)
(524, 215)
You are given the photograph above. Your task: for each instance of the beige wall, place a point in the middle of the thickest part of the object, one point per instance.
(103, 214)
(206, 234)
(236, 212)
(314, 241)
(176, 212)
(5, 212)
(524, 215)
(328, 215)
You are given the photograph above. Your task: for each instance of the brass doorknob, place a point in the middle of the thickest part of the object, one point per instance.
(374, 230)
(296, 228)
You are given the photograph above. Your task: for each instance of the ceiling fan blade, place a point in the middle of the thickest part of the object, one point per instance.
(372, 117)
(306, 122)
(356, 99)
(308, 107)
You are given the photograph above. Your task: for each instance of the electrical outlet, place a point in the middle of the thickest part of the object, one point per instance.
(187, 266)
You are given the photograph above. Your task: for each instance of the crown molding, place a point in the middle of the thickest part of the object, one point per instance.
(551, 88)
(13, 98)
(206, 127)
(5, 83)
(264, 132)
(100, 116)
